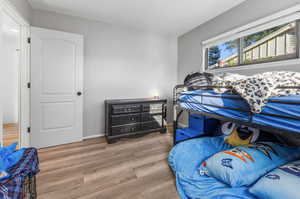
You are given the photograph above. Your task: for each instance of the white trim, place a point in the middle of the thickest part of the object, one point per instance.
(280, 17)
(92, 136)
(204, 57)
(25, 91)
(10, 9)
(289, 62)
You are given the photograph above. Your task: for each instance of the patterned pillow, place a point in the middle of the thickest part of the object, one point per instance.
(197, 79)
(244, 165)
(283, 182)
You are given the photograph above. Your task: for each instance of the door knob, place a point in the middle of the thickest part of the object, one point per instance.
(79, 93)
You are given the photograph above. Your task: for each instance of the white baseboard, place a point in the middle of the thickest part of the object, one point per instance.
(92, 136)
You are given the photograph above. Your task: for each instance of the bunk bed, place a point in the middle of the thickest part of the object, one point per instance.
(281, 115)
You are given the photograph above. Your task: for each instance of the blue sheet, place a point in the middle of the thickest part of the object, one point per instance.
(192, 100)
(212, 102)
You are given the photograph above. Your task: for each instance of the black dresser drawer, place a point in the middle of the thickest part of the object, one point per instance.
(122, 109)
(119, 130)
(146, 117)
(150, 125)
(146, 108)
(125, 119)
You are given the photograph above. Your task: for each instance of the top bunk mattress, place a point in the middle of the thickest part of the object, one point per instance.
(280, 112)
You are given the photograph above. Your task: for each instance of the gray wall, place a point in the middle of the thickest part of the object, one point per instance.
(189, 44)
(119, 63)
(24, 8)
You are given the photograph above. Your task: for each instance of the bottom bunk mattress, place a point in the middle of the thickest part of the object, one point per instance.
(280, 112)
(185, 160)
(210, 168)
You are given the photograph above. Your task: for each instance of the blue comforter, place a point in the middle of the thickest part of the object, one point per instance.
(185, 159)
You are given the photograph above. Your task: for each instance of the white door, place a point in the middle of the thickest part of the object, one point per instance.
(56, 87)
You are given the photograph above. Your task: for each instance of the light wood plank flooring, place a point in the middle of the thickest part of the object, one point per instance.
(10, 133)
(92, 169)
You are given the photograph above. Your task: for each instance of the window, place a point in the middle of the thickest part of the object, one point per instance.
(272, 44)
(223, 55)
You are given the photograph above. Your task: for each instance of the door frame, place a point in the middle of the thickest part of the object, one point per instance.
(24, 71)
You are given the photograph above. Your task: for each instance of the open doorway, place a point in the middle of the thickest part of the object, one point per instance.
(10, 80)
(14, 76)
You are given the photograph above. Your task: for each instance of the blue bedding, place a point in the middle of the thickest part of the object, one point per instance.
(215, 103)
(185, 160)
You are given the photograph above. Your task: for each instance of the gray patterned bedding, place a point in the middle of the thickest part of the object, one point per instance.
(258, 88)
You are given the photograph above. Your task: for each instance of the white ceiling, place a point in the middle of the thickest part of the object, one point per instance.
(174, 17)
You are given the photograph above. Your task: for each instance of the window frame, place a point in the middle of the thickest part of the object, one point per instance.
(240, 51)
(287, 16)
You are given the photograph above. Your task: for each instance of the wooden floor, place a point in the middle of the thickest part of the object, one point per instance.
(10, 134)
(130, 169)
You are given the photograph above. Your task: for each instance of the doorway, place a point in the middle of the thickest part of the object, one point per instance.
(14, 76)
(9, 78)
